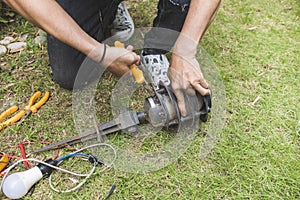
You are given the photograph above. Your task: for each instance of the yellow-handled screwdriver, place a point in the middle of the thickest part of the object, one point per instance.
(137, 73)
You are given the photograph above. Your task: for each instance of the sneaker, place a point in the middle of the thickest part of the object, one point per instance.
(155, 68)
(123, 26)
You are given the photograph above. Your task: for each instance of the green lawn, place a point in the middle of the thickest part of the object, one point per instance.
(255, 46)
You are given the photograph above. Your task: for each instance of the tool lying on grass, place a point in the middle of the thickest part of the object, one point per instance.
(3, 161)
(30, 108)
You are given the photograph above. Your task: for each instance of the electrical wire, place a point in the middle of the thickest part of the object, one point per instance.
(41, 142)
(24, 156)
(111, 191)
(72, 155)
(87, 176)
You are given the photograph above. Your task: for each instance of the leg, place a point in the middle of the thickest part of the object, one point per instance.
(168, 23)
(93, 16)
(122, 27)
(160, 39)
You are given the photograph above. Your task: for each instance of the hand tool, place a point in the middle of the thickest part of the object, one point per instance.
(3, 161)
(160, 110)
(30, 108)
(137, 73)
(33, 108)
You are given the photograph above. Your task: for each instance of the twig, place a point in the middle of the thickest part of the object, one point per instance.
(256, 100)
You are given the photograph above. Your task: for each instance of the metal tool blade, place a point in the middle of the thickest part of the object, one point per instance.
(124, 121)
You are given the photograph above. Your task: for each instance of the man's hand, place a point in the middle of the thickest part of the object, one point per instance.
(185, 74)
(119, 60)
(116, 59)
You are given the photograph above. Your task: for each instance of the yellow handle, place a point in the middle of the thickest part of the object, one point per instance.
(3, 161)
(8, 112)
(119, 44)
(36, 106)
(33, 99)
(29, 107)
(137, 73)
(12, 120)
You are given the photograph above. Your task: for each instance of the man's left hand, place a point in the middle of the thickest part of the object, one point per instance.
(185, 74)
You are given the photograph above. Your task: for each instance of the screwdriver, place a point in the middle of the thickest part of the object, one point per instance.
(137, 73)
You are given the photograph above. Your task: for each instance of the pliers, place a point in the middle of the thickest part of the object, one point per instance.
(30, 108)
(33, 108)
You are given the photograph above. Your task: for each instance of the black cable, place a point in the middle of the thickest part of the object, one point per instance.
(111, 191)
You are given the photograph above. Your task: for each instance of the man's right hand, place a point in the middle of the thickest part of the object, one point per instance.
(118, 60)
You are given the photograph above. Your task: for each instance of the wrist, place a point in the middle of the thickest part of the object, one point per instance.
(98, 54)
(103, 54)
(185, 47)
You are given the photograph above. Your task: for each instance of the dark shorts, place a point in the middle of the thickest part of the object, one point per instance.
(95, 17)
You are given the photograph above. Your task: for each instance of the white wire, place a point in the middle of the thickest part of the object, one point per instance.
(101, 144)
(91, 172)
(77, 186)
(87, 176)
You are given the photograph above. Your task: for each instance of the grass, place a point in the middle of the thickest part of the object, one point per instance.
(254, 44)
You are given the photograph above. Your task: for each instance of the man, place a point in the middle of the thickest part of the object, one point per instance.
(77, 27)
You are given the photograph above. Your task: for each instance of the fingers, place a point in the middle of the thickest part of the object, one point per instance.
(180, 102)
(203, 83)
(129, 48)
(121, 56)
(180, 85)
(190, 91)
(202, 89)
(136, 57)
(132, 56)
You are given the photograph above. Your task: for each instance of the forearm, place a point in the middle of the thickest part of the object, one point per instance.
(48, 15)
(201, 13)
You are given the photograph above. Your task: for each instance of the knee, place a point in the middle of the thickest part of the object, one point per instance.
(72, 74)
(64, 70)
(63, 80)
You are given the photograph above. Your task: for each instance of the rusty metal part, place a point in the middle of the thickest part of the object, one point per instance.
(127, 121)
